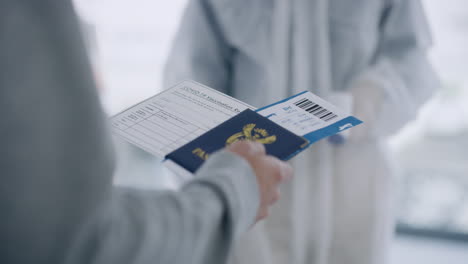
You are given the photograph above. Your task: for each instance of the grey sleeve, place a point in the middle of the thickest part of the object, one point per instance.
(196, 225)
(56, 195)
(200, 51)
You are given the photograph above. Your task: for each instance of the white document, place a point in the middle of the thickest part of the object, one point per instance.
(308, 115)
(169, 120)
(302, 113)
(174, 117)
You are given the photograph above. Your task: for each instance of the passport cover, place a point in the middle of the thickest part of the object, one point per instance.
(247, 125)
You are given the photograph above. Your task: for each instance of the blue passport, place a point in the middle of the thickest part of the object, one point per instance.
(247, 125)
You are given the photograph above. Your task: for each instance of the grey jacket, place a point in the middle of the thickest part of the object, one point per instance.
(57, 203)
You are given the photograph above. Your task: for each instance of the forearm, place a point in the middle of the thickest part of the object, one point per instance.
(196, 225)
(400, 78)
(393, 89)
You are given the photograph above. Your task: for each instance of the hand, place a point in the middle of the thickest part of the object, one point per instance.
(270, 172)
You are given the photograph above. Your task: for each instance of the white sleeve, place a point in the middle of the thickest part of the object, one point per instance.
(401, 70)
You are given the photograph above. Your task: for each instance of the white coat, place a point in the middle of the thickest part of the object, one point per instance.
(339, 207)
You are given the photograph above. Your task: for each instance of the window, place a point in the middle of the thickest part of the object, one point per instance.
(132, 40)
(432, 152)
(128, 42)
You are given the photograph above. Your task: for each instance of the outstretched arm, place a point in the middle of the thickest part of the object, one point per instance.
(389, 93)
(197, 224)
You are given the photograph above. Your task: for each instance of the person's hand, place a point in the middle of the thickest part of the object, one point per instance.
(269, 170)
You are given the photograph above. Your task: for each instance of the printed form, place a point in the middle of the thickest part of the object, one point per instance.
(310, 116)
(174, 117)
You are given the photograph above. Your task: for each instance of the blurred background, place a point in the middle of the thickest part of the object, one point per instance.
(129, 41)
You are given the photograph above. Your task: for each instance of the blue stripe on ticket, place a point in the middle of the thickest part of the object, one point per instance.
(332, 129)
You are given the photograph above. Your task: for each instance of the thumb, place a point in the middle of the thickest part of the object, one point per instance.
(247, 149)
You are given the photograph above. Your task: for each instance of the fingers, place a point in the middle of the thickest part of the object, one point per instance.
(270, 172)
(247, 149)
(264, 213)
(279, 170)
(275, 196)
(287, 171)
(264, 210)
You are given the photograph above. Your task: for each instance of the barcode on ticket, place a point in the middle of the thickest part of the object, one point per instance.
(315, 109)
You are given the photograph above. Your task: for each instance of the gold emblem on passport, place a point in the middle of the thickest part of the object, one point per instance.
(201, 153)
(249, 132)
